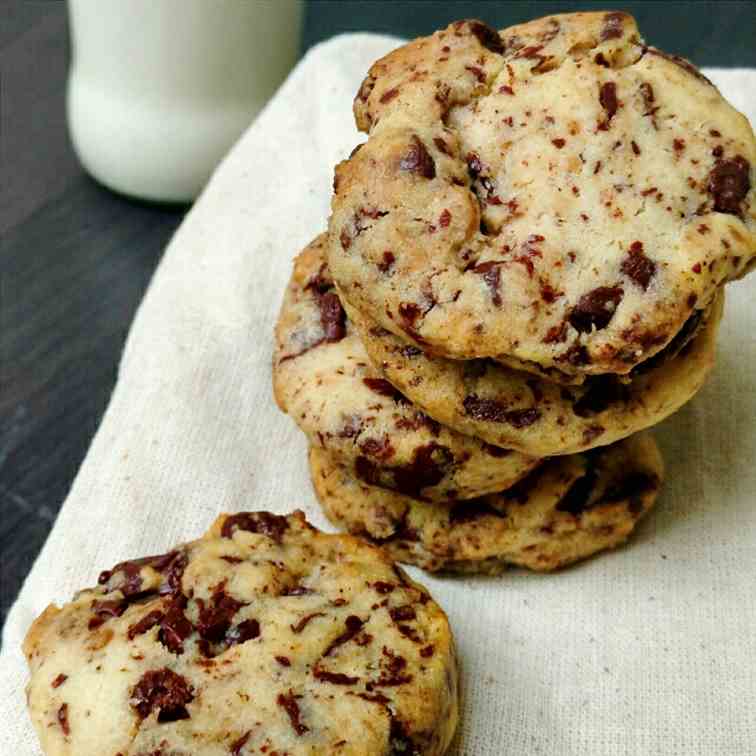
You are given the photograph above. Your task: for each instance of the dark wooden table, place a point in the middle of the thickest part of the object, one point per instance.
(75, 258)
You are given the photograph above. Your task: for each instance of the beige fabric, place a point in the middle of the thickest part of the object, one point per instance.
(648, 650)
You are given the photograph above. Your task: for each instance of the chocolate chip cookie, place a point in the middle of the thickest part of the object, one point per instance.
(535, 416)
(263, 636)
(568, 509)
(559, 196)
(323, 378)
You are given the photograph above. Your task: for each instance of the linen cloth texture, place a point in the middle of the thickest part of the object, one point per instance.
(646, 650)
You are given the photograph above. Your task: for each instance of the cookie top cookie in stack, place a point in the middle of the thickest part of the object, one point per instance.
(263, 636)
(559, 197)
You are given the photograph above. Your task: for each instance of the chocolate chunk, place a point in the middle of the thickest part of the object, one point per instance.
(175, 628)
(382, 587)
(729, 183)
(284, 661)
(410, 351)
(335, 678)
(144, 624)
(575, 501)
(165, 691)
(389, 95)
(304, 622)
(496, 451)
(418, 160)
(410, 312)
(613, 22)
(484, 409)
(367, 471)
(488, 37)
(402, 613)
(384, 388)
(353, 626)
(378, 698)
(522, 418)
(602, 392)
(130, 581)
(596, 308)
(474, 165)
(59, 680)
(387, 263)
(215, 616)
(492, 411)
(173, 575)
(491, 273)
(608, 100)
(104, 610)
(236, 747)
(556, 334)
(63, 719)
(265, 523)
(332, 317)
(637, 266)
(288, 702)
(441, 145)
(427, 651)
(248, 629)
(427, 468)
(393, 672)
(378, 448)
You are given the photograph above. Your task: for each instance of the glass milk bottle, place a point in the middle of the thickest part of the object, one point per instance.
(160, 89)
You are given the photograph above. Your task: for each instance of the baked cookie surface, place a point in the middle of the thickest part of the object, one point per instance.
(519, 411)
(323, 378)
(263, 636)
(558, 195)
(568, 509)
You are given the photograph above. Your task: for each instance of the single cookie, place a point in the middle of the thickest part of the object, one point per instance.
(324, 379)
(559, 197)
(264, 636)
(535, 416)
(568, 509)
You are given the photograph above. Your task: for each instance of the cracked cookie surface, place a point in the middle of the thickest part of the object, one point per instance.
(323, 378)
(263, 636)
(568, 509)
(558, 196)
(516, 410)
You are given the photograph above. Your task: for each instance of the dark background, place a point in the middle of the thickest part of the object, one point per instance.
(75, 259)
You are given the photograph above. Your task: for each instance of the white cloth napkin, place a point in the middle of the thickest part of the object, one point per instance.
(647, 650)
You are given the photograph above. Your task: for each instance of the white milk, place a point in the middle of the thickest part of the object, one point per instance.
(160, 89)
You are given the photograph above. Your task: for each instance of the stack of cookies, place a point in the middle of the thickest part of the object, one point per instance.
(523, 271)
